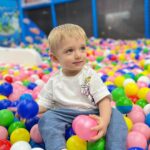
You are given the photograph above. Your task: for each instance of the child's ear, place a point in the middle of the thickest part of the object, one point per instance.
(53, 57)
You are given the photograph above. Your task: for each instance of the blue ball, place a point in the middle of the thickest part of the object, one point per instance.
(104, 77)
(31, 122)
(147, 119)
(69, 133)
(27, 109)
(5, 103)
(135, 148)
(111, 88)
(6, 89)
(26, 96)
(31, 85)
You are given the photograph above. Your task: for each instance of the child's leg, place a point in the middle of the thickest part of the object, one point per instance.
(52, 127)
(116, 132)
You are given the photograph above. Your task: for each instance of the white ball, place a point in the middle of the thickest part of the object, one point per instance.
(129, 80)
(35, 76)
(147, 61)
(147, 109)
(21, 145)
(144, 79)
(40, 82)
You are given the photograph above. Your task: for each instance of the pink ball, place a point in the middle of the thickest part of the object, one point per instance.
(136, 116)
(35, 134)
(136, 139)
(142, 128)
(137, 108)
(82, 125)
(141, 84)
(148, 97)
(3, 133)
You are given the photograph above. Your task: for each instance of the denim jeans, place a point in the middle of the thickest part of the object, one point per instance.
(53, 125)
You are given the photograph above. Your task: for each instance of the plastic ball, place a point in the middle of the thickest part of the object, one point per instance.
(14, 126)
(26, 96)
(37, 149)
(136, 139)
(124, 105)
(147, 119)
(4, 104)
(144, 79)
(6, 117)
(69, 133)
(2, 97)
(98, 145)
(31, 122)
(141, 102)
(3, 133)
(29, 106)
(5, 144)
(117, 92)
(75, 143)
(135, 148)
(146, 109)
(136, 116)
(142, 128)
(6, 89)
(111, 87)
(20, 134)
(35, 134)
(82, 125)
(142, 93)
(129, 123)
(129, 80)
(21, 145)
(148, 96)
(119, 81)
(131, 89)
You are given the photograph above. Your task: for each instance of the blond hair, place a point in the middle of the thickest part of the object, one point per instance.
(59, 33)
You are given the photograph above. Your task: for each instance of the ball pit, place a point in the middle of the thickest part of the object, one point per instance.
(123, 65)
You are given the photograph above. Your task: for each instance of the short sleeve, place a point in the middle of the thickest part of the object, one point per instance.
(98, 89)
(45, 96)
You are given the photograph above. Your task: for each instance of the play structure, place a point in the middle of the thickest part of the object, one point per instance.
(16, 27)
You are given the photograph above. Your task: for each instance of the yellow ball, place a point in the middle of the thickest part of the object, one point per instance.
(20, 134)
(2, 97)
(131, 89)
(143, 92)
(119, 81)
(129, 123)
(76, 143)
(108, 83)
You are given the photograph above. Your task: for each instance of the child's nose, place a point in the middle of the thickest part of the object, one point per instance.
(77, 54)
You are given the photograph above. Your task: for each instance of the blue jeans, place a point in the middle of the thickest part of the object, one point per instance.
(53, 125)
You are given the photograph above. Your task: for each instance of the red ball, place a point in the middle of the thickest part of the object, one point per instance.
(8, 78)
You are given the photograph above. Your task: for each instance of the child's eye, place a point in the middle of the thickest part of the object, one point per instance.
(83, 48)
(69, 51)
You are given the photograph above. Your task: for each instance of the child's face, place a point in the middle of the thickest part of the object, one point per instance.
(71, 55)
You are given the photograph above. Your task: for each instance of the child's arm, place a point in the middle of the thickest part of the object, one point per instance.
(103, 119)
(42, 109)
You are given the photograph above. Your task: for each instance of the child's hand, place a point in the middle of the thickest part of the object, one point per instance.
(101, 127)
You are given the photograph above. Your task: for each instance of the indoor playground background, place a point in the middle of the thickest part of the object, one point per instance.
(118, 49)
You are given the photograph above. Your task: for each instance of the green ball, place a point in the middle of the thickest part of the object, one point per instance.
(6, 117)
(99, 58)
(138, 76)
(14, 126)
(124, 101)
(98, 145)
(117, 92)
(141, 103)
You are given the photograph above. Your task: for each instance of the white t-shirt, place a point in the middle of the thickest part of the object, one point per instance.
(82, 91)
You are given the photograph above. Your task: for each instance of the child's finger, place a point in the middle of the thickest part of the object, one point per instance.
(98, 136)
